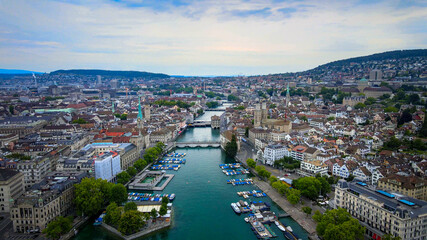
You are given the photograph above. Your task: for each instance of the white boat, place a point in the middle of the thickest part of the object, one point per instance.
(289, 228)
(280, 226)
(246, 219)
(235, 208)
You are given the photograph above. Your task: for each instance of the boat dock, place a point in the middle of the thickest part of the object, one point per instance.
(151, 181)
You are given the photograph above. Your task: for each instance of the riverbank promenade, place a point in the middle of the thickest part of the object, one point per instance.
(294, 211)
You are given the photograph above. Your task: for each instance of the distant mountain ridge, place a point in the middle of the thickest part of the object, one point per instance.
(398, 54)
(112, 73)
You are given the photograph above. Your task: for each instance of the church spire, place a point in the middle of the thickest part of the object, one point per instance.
(288, 96)
(139, 117)
(112, 106)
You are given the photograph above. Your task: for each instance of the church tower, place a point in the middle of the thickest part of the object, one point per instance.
(139, 116)
(257, 115)
(147, 112)
(288, 96)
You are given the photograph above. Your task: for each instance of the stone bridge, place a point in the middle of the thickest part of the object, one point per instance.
(215, 144)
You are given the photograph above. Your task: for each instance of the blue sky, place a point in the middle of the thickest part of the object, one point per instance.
(185, 37)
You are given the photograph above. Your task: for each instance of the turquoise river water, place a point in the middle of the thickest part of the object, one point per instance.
(202, 203)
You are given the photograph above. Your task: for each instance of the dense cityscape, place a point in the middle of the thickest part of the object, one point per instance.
(345, 139)
(200, 119)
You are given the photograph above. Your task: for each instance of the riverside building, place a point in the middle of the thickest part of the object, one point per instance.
(383, 212)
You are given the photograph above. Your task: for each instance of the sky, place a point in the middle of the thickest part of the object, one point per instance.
(198, 38)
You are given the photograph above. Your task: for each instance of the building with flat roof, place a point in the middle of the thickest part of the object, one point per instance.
(11, 187)
(383, 212)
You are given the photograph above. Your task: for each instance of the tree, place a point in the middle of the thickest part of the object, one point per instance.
(414, 98)
(392, 144)
(131, 222)
(119, 194)
(423, 130)
(404, 118)
(390, 237)
(153, 213)
(359, 105)
(91, 194)
(325, 187)
(293, 196)
(163, 210)
(11, 109)
(307, 210)
(123, 177)
(338, 224)
(165, 200)
(61, 225)
(246, 131)
(231, 147)
(131, 171)
(391, 109)
(370, 101)
(251, 163)
(350, 178)
(113, 214)
(80, 121)
(140, 164)
(272, 179)
(129, 206)
(309, 186)
(304, 118)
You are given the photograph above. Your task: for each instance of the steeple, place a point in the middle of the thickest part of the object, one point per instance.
(112, 106)
(139, 117)
(288, 96)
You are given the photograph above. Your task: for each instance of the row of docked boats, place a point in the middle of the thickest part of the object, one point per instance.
(287, 231)
(134, 196)
(176, 155)
(234, 182)
(175, 167)
(254, 193)
(241, 207)
(232, 172)
(229, 166)
(177, 161)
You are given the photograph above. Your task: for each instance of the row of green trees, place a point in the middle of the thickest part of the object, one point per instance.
(128, 219)
(91, 195)
(149, 156)
(287, 162)
(292, 195)
(312, 187)
(179, 103)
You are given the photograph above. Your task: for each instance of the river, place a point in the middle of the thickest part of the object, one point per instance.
(202, 203)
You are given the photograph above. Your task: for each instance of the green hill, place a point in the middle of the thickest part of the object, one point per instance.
(108, 73)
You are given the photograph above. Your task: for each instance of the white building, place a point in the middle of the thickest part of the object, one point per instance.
(341, 170)
(314, 167)
(274, 152)
(107, 166)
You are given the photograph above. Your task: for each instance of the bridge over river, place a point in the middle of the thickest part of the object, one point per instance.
(203, 144)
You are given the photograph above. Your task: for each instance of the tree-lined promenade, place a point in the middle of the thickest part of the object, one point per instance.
(289, 199)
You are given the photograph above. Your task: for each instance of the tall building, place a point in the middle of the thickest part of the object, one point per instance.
(288, 96)
(52, 197)
(114, 84)
(107, 166)
(375, 75)
(260, 113)
(382, 212)
(147, 112)
(11, 187)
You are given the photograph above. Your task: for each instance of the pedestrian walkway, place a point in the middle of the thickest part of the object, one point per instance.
(294, 211)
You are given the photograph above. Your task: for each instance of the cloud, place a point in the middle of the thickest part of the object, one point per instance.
(202, 37)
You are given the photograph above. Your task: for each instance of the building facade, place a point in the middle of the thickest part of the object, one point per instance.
(381, 212)
(11, 187)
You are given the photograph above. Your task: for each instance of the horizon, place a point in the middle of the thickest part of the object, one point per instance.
(203, 38)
